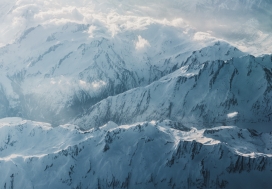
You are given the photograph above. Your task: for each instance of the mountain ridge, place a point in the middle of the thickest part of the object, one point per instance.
(66, 160)
(179, 97)
(126, 94)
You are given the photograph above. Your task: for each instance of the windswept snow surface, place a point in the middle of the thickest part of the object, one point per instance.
(143, 155)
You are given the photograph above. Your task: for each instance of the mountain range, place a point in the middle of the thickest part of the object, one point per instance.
(117, 94)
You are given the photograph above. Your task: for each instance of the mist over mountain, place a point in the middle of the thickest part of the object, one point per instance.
(245, 24)
(135, 94)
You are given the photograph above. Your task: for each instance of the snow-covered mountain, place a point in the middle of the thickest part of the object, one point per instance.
(144, 155)
(126, 94)
(55, 77)
(201, 94)
(48, 76)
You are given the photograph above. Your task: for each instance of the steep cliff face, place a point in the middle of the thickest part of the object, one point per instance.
(143, 155)
(200, 94)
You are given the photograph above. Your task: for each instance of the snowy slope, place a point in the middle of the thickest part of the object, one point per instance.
(135, 94)
(56, 82)
(57, 66)
(143, 155)
(200, 93)
(46, 69)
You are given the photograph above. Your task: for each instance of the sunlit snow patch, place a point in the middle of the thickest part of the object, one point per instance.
(232, 115)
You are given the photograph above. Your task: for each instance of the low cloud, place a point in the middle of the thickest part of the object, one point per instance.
(203, 36)
(91, 31)
(244, 24)
(141, 43)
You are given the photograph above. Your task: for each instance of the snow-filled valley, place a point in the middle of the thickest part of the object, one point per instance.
(125, 94)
